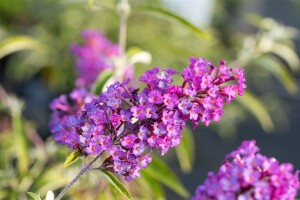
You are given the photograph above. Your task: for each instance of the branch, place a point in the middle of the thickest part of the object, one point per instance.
(85, 169)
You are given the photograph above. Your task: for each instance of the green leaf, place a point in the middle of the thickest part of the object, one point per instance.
(18, 43)
(113, 193)
(137, 55)
(186, 150)
(254, 19)
(255, 106)
(91, 3)
(199, 32)
(101, 81)
(50, 195)
(21, 141)
(275, 66)
(72, 158)
(288, 54)
(116, 183)
(152, 188)
(162, 173)
(34, 196)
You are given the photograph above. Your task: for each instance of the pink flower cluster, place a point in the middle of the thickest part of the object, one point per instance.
(129, 125)
(248, 175)
(92, 57)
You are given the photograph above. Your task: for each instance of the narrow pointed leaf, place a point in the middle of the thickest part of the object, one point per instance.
(186, 151)
(72, 158)
(199, 32)
(101, 81)
(113, 192)
(50, 195)
(287, 54)
(17, 43)
(21, 142)
(58, 2)
(137, 55)
(91, 3)
(254, 19)
(34, 196)
(151, 187)
(276, 67)
(159, 171)
(116, 183)
(255, 107)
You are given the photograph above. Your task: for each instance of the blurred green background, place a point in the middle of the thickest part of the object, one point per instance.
(36, 66)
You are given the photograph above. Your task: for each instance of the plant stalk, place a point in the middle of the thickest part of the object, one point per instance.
(124, 10)
(84, 170)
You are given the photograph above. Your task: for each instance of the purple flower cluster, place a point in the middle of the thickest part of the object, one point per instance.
(129, 125)
(65, 108)
(248, 175)
(92, 57)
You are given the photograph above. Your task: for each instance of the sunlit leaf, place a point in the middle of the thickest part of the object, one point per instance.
(275, 66)
(199, 32)
(254, 19)
(47, 180)
(72, 158)
(137, 55)
(3, 194)
(113, 192)
(116, 183)
(21, 140)
(34, 196)
(18, 43)
(101, 81)
(255, 107)
(287, 54)
(162, 173)
(91, 3)
(50, 195)
(70, 1)
(186, 150)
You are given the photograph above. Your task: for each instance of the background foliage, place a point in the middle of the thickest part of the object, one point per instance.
(36, 65)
